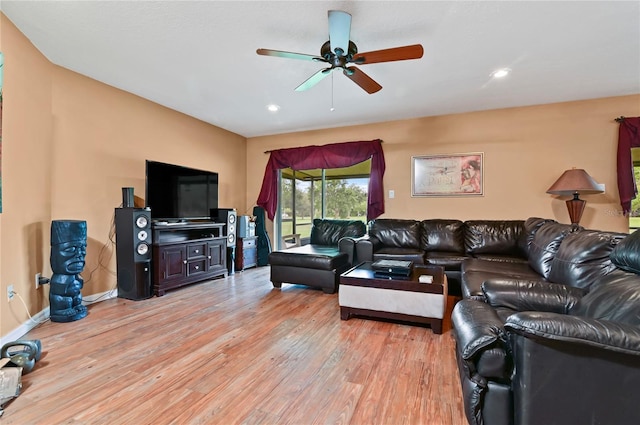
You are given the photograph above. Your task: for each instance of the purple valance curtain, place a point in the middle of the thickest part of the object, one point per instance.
(336, 155)
(628, 137)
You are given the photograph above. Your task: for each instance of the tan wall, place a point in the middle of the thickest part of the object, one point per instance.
(26, 173)
(525, 151)
(69, 145)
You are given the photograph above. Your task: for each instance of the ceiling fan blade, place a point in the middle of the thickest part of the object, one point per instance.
(415, 51)
(314, 79)
(289, 55)
(339, 31)
(367, 83)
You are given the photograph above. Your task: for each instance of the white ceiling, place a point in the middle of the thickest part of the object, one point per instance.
(199, 57)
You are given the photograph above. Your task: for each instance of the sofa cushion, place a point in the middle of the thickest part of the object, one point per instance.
(515, 269)
(615, 299)
(309, 256)
(531, 226)
(493, 237)
(397, 232)
(626, 254)
(395, 253)
(448, 260)
(443, 235)
(501, 258)
(329, 232)
(476, 271)
(583, 258)
(545, 244)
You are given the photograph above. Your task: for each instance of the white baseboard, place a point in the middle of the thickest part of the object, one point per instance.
(43, 316)
(96, 298)
(23, 329)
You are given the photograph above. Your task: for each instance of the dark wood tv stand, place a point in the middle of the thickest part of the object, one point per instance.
(185, 253)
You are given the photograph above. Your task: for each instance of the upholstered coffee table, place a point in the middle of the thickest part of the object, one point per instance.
(364, 293)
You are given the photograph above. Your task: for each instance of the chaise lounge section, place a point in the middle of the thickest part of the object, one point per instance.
(319, 264)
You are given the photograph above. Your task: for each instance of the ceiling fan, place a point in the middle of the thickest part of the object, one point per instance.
(340, 51)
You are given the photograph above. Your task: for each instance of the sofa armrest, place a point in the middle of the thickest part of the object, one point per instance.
(602, 334)
(347, 245)
(366, 246)
(573, 370)
(531, 295)
(477, 327)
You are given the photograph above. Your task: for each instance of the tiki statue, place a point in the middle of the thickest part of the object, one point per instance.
(68, 249)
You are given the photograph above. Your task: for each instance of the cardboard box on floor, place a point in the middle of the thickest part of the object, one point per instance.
(10, 382)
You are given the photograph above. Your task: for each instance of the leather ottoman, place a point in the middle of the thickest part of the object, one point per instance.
(312, 265)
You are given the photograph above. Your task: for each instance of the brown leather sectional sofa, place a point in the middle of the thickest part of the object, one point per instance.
(548, 330)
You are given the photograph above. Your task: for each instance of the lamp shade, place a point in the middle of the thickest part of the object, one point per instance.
(574, 181)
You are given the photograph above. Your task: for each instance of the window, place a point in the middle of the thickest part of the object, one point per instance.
(337, 193)
(296, 196)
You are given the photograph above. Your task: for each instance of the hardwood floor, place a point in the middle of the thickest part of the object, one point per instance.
(238, 351)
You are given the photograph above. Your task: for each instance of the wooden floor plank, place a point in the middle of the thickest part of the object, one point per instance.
(237, 351)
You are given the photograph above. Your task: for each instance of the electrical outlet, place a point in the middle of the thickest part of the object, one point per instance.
(9, 292)
(37, 280)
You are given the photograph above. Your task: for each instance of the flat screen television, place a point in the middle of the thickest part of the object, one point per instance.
(176, 193)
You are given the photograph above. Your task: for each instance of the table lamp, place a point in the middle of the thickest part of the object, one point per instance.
(575, 182)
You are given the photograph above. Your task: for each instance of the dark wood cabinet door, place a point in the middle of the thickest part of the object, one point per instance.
(173, 262)
(217, 255)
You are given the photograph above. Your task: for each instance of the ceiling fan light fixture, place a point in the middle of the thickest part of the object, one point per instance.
(501, 73)
(272, 107)
(339, 51)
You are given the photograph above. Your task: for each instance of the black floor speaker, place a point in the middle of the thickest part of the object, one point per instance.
(229, 217)
(133, 253)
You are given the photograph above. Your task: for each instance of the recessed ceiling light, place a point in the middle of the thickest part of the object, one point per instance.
(273, 108)
(500, 73)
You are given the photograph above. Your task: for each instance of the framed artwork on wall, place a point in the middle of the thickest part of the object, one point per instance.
(447, 175)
